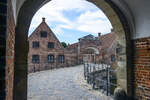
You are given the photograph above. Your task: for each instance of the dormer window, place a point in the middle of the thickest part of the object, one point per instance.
(43, 34)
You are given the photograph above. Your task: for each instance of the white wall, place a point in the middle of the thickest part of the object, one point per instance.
(14, 8)
(141, 13)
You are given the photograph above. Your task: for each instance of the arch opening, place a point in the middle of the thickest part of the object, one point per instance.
(116, 18)
(96, 51)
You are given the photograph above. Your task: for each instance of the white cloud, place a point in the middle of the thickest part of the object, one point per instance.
(53, 9)
(66, 26)
(88, 15)
(94, 22)
(89, 21)
(94, 27)
(80, 5)
(58, 30)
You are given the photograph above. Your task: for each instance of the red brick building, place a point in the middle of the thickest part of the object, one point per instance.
(46, 52)
(96, 49)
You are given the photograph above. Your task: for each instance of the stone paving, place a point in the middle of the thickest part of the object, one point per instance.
(60, 84)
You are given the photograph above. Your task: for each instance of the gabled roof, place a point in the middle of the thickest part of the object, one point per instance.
(44, 26)
(88, 37)
(75, 45)
(107, 40)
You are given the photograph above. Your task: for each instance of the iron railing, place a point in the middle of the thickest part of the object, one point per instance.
(101, 77)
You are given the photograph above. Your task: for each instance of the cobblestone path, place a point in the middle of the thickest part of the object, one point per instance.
(59, 84)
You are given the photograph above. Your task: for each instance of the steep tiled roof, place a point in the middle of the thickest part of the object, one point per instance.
(108, 40)
(75, 45)
(43, 26)
(88, 37)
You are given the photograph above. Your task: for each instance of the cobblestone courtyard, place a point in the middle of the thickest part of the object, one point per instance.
(59, 84)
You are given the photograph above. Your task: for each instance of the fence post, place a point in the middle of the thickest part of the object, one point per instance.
(34, 68)
(94, 67)
(93, 80)
(39, 67)
(107, 79)
(88, 73)
(84, 72)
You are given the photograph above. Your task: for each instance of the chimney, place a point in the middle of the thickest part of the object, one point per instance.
(43, 19)
(79, 39)
(99, 34)
(112, 30)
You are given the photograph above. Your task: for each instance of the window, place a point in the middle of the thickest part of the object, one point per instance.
(50, 58)
(118, 50)
(35, 59)
(89, 57)
(61, 58)
(35, 44)
(43, 34)
(113, 58)
(50, 45)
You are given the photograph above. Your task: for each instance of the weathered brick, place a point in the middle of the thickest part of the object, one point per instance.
(10, 52)
(142, 68)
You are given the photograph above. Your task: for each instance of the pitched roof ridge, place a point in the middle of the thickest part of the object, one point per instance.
(53, 33)
(107, 34)
(50, 31)
(35, 29)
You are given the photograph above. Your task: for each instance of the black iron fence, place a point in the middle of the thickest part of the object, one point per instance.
(101, 77)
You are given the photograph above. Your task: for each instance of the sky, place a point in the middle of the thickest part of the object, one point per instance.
(72, 19)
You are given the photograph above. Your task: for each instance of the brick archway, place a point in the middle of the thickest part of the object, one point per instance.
(116, 17)
(96, 51)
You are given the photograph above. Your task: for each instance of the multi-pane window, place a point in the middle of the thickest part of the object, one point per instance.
(89, 56)
(118, 50)
(50, 45)
(43, 34)
(61, 58)
(113, 58)
(50, 58)
(35, 44)
(35, 59)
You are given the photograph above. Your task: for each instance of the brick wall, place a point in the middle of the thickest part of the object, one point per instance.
(10, 41)
(7, 50)
(43, 51)
(142, 68)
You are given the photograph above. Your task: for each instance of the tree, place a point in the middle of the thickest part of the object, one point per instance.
(64, 44)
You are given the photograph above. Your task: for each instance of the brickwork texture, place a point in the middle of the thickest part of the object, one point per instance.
(142, 68)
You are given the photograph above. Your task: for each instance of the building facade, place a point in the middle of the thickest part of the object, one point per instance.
(93, 49)
(46, 52)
